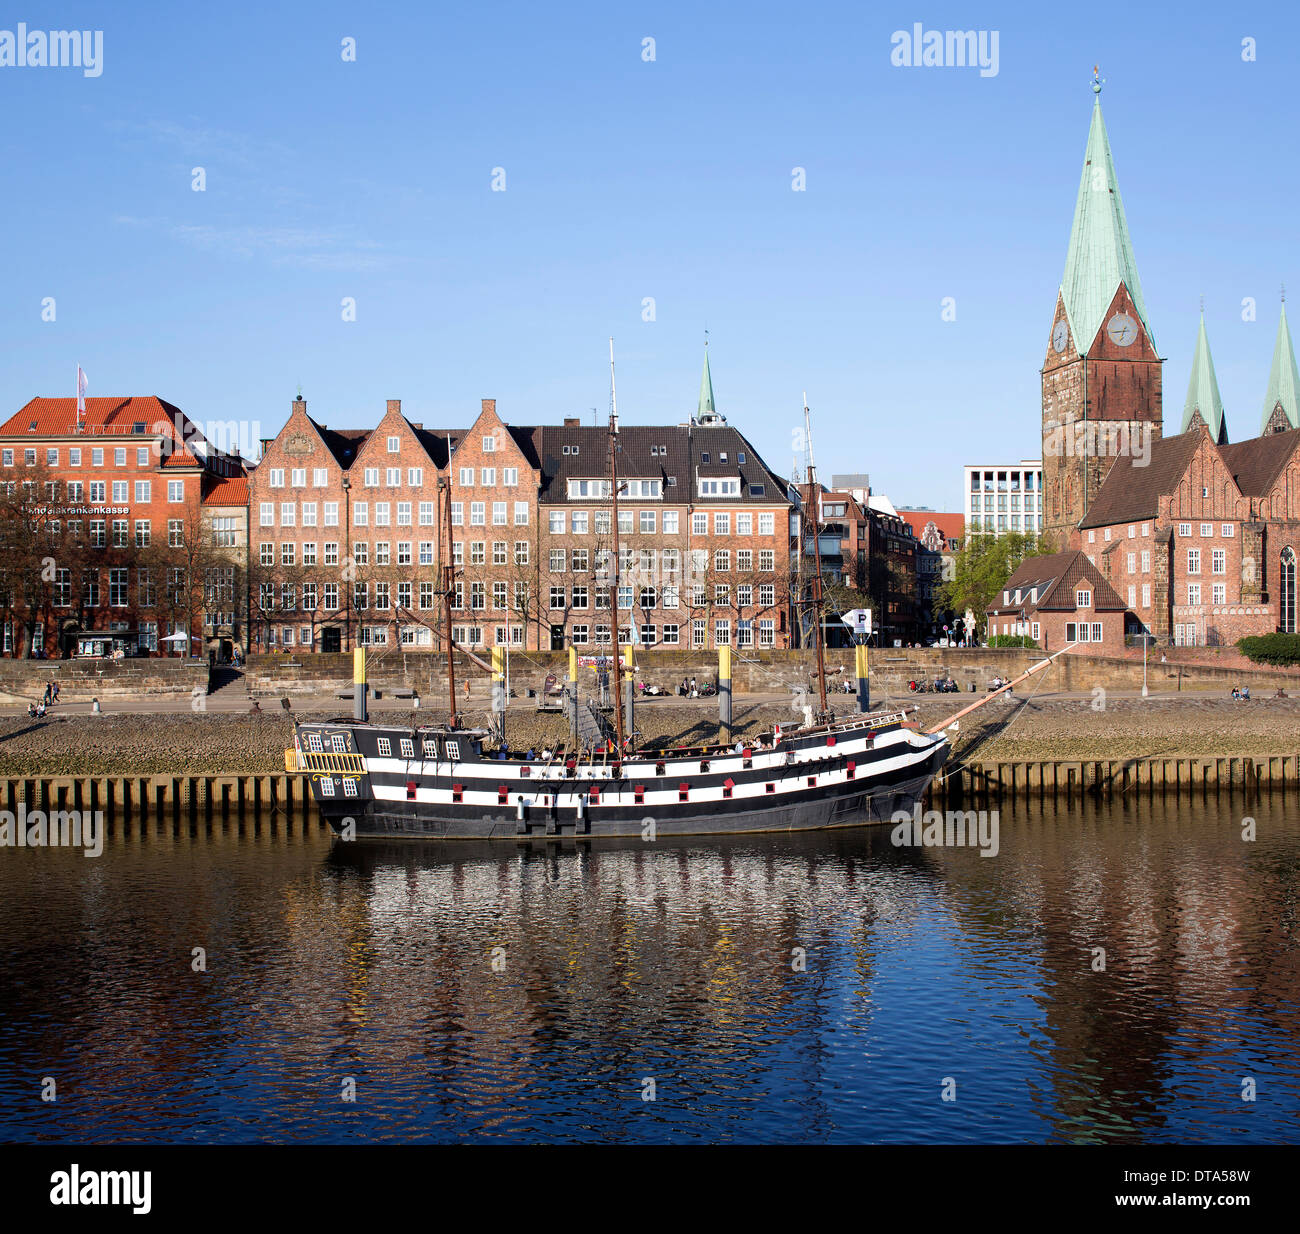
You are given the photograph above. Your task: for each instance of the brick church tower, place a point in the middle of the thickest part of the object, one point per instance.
(1101, 374)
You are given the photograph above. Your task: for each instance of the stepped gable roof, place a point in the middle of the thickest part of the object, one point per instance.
(1132, 492)
(1057, 576)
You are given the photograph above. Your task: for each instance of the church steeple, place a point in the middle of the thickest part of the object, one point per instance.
(1282, 400)
(1203, 399)
(707, 413)
(1100, 256)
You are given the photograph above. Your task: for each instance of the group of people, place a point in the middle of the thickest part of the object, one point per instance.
(47, 700)
(1241, 694)
(690, 688)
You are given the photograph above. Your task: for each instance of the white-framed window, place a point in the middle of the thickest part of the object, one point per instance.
(700, 524)
(298, 477)
(489, 445)
(510, 477)
(320, 477)
(1132, 595)
(382, 514)
(1207, 529)
(1146, 595)
(555, 522)
(766, 523)
(1218, 561)
(1226, 531)
(266, 514)
(1193, 593)
(1083, 598)
(1146, 561)
(722, 524)
(466, 477)
(646, 521)
(521, 514)
(277, 477)
(1132, 562)
(309, 514)
(457, 513)
(1184, 529)
(477, 514)
(1219, 593)
(1193, 561)
(288, 513)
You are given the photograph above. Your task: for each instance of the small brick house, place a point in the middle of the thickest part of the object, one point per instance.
(1060, 599)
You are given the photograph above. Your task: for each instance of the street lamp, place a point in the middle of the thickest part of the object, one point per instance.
(1146, 642)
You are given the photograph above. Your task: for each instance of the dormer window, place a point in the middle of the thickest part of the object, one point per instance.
(704, 458)
(722, 458)
(138, 427)
(740, 458)
(1083, 598)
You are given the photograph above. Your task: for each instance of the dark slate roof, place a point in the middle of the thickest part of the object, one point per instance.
(434, 442)
(1132, 492)
(1056, 576)
(587, 457)
(342, 443)
(718, 439)
(1257, 462)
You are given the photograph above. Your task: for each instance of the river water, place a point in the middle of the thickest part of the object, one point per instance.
(827, 988)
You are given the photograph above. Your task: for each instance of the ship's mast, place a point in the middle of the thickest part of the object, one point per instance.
(614, 589)
(448, 583)
(814, 499)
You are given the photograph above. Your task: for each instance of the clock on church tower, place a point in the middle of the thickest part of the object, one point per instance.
(1101, 372)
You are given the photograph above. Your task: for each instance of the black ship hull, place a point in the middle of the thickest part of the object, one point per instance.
(404, 783)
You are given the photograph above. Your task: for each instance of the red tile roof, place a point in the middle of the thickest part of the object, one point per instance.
(110, 415)
(227, 491)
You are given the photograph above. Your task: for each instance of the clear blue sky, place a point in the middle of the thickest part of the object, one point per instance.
(627, 179)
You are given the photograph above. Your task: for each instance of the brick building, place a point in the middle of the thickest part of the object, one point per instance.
(1197, 535)
(938, 537)
(349, 530)
(1060, 599)
(141, 516)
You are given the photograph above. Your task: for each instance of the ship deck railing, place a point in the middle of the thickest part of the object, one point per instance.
(338, 764)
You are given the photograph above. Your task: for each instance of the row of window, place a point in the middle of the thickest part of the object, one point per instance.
(144, 456)
(579, 597)
(478, 514)
(218, 587)
(580, 522)
(148, 634)
(1227, 531)
(97, 491)
(117, 532)
(578, 559)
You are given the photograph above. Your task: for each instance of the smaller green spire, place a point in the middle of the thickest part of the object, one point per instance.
(706, 408)
(1283, 381)
(1203, 390)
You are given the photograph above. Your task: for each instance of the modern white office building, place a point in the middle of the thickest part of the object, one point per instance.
(1004, 497)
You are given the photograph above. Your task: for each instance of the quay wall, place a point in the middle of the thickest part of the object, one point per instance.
(136, 803)
(81, 680)
(891, 669)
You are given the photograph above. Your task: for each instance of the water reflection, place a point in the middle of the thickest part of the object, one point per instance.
(805, 988)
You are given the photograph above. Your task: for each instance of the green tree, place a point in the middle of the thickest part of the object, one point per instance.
(982, 566)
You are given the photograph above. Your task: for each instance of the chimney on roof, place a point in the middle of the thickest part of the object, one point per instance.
(395, 404)
(299, 404)
(490, 404)
(572, 422)
(265, 443)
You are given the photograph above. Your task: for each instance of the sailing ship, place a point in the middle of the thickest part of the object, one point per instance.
(447, 781)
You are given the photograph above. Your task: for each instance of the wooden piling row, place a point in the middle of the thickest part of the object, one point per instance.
(281, 799)
(1118, 779)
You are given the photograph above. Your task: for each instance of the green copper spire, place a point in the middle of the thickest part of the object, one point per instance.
(706, 408)
(1100, 256)
(1203, 391)
(1283, 381)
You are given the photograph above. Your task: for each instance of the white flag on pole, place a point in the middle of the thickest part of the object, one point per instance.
(81, 391)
